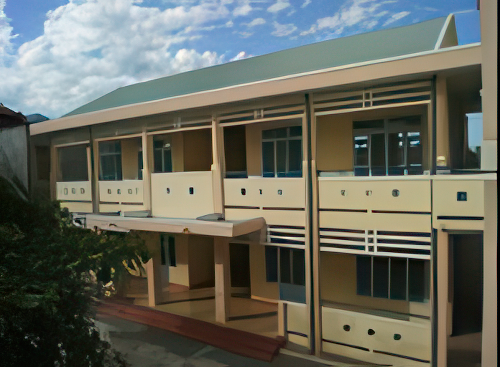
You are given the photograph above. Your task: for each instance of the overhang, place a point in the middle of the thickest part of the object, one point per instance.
(402, 66)
(220, 228)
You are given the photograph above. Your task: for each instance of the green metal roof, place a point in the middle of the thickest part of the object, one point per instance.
(317, 56)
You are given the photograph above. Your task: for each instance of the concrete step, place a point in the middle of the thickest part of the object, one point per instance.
(232, 340)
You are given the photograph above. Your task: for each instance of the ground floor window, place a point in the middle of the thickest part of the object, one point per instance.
(168, 250)
(393, 278)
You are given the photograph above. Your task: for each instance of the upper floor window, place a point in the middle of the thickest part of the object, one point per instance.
(282, 152)
(73, 163)
(110, 154)
(388, 147)
(162, 155)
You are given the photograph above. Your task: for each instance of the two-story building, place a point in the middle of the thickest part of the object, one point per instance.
(337, 180)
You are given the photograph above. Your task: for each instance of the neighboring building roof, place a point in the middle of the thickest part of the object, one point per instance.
(377, 45)
(9, 118)
(36, 117)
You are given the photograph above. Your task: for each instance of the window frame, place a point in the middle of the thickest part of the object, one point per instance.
(390, 126)
(408, 296)
(287, 140)
(118, 176)
(162, 151)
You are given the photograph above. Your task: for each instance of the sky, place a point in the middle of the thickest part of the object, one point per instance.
(56, 55)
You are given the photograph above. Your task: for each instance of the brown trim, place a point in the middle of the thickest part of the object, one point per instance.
(346, 345)
(398, 212)
(343, 210)
(240, 207)
(109, 202)
(126, 203)
(276, 208)
(452, 217)
(402, 356)
(76, 201)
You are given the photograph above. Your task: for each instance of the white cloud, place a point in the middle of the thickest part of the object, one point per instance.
(5, 34)
(282, 30)
(306, 2)
(91, 47)
(396, 17)
(352, 17)
(241, 55)
(256, 22)
(278, 6)
(242, 10)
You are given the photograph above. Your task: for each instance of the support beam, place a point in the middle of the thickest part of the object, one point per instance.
(442, 298)
(217, 166)
(489, 355)
(222, 279)
(153, 269)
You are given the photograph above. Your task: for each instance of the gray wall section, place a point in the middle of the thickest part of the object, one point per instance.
(14, 154)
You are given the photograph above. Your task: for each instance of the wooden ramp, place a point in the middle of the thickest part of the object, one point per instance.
(232, 340)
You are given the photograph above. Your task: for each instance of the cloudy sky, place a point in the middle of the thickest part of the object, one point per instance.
(56, 55)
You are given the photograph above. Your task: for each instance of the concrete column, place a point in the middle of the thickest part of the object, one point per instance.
(222, 279)
(442, 121)
(217, 166)
(489, 355)
(153, 269)
(146, 172)
(442, 298)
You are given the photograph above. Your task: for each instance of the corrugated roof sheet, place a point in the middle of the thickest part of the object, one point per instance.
(364, 47)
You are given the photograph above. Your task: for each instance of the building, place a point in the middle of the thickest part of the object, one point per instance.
(335, 180)
(14, 141)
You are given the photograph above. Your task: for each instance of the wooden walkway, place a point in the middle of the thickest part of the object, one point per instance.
(235, 341)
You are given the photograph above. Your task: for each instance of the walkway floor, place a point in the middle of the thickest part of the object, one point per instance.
(146, 346)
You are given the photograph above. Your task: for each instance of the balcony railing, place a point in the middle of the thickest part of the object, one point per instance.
(121, 195)
(280, 201)
(375, 339)
(182, 194)
(388, 216)
(76, 196)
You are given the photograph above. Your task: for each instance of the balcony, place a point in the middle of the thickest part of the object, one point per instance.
(388, 216)
(76, 196)
(182, 194)
(123, 195)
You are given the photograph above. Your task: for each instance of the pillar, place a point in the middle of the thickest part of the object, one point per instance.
(442, 298)
(153, 269)
(222, 279)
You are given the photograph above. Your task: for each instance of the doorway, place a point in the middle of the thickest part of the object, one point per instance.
(240, 269)
(466, 294)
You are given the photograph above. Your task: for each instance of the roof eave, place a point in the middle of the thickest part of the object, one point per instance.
(435, 61)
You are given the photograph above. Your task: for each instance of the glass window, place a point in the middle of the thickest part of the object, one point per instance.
(388, 147)
(393, 278)
(398, 278)
(171, 251)
(473, 140)
(271, 264)
(162, 155)
(364, 275)
(381, 277)
(282, 152)
(73, 163)
(110, 161)
(298, 267)
(285, 276)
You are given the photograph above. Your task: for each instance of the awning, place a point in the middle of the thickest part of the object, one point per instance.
(219, 228)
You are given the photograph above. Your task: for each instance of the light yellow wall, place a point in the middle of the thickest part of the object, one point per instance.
(442, 123)
(338, 284)
(201, 262)
(258, 285)
(197, 150)
(335, 139)
(180, 274)
(130, 152)
(334, 143)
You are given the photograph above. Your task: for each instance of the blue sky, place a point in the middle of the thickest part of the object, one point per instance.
(56, 55)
